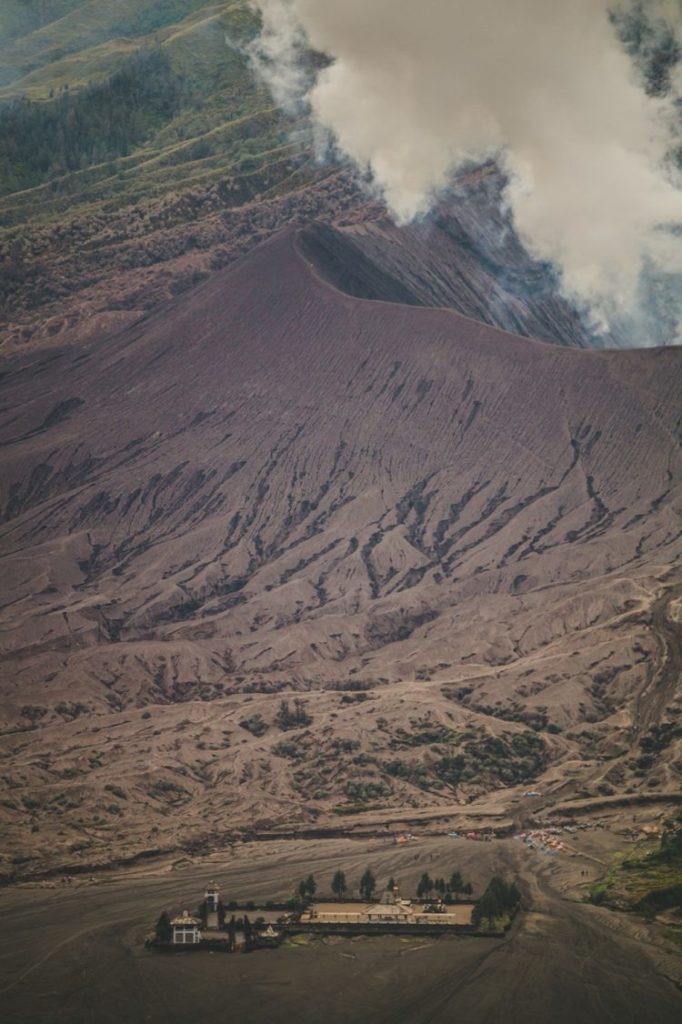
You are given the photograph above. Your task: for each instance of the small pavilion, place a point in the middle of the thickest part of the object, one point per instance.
(186, 929)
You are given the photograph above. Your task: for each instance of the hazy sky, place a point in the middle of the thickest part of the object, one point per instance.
(416, 89)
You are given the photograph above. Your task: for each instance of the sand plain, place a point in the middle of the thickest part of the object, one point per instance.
(75, 953)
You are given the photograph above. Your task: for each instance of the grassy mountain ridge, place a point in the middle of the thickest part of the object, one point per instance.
(101, 122)
(102, 157)
(18, 19)
(217, 89)
(49, 37)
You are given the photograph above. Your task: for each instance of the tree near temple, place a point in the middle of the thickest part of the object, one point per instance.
(163, 929)
(424, 886)
(339, 886)
(368, 884)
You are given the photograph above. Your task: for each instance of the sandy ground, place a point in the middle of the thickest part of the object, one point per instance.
(75, 954)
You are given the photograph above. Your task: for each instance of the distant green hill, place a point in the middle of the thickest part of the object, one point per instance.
(48, 42)
(139, 153)
(117, 101)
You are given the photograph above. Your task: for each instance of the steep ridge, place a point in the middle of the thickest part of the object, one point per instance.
(454, 553)
(93, 272)
(466, 256)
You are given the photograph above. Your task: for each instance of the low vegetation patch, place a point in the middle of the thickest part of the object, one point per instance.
(415, 773)
(424, 732)
(362, 792)
(71, 709)
(294, 717)
(34, 712)
(287, 748)
(507, 759)
(170, 792)
(255, 725)
(648, 884)
(116, 791)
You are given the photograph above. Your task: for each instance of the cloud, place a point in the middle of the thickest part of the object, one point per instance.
(414, 91)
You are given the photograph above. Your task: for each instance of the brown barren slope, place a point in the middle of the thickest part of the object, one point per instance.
(459, 546)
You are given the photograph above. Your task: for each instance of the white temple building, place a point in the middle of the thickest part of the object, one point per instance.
(186, 929)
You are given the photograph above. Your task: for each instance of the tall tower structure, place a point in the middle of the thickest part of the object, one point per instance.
(212, 897)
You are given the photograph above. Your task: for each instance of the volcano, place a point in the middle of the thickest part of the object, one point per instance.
(292, 553)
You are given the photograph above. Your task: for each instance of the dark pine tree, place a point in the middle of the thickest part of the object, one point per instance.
(368, 884)
(456, 883)
(424, 886)
(339, 886)
(163, 930)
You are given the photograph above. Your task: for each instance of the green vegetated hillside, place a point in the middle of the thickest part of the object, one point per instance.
(46, 40)
(119, 101)
(650, 882)
(140, 153)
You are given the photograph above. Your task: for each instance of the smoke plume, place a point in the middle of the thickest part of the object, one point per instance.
(414, 91)
(276, 52)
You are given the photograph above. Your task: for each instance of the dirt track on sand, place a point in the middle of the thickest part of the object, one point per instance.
(664, 682)
(76, 954)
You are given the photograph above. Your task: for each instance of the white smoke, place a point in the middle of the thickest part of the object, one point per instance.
(415, 90)
(276, 53)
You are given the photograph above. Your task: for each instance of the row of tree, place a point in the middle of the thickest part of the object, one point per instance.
(427, 887)
(307, 887)
(455, 886)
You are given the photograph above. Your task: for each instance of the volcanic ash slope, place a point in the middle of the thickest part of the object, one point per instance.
(462, 547)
